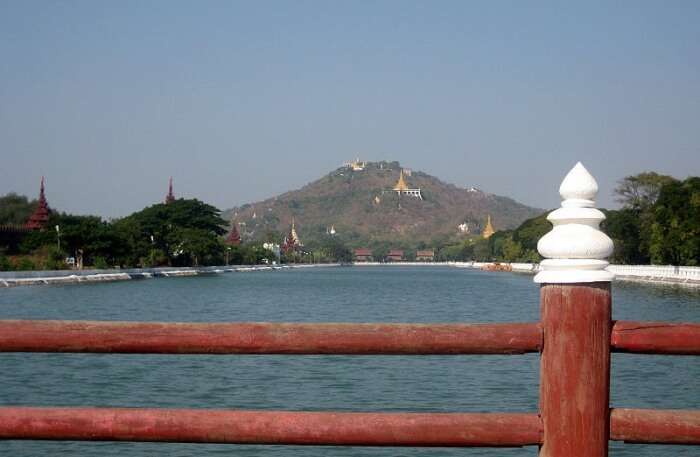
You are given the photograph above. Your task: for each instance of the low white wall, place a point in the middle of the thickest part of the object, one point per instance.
(640, 272)
(401, 263)
(526, 267)
(660, 272)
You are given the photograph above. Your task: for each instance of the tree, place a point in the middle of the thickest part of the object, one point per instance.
(456, 252)
(641, 191)
(15, 209)
(185, 231)
(529, 232)
(5, 264)
(675, 229)
(624, 228)
(638, 193)
(496, 243)
(196, 246)
(512, 250)
(482, 251)
(380, 249)
(87, 234)
(330, 249)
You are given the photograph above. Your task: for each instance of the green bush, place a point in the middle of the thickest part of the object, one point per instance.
(101, 263)
(25, 264)
(5, 264)
(55, 259)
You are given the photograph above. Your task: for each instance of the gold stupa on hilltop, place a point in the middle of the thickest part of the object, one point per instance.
(401, 185)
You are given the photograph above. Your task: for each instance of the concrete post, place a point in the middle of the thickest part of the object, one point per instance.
(576, 321)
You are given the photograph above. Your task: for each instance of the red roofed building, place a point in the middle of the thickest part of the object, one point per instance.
(395, 255)
(40, 218)
(363, 255)
(426, 255)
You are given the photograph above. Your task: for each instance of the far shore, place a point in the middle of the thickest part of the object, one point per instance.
(642, 273)
(57, 277)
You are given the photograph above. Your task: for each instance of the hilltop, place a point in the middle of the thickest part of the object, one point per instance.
(362, 208)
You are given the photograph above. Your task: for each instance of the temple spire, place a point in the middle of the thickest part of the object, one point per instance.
(295, 237)
(40, 217)
(402, 188)
(292, 241)
(170, 197)
(401, 184)
(488, 230)
(234, 238)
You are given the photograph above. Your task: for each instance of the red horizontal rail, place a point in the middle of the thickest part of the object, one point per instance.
(655, 426)
(656, 337)
(271, 427)
(280, 338)
(267, 338)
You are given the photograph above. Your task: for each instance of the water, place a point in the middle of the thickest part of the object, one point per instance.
(344, 383)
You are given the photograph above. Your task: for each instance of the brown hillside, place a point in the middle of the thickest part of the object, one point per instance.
(362, 208)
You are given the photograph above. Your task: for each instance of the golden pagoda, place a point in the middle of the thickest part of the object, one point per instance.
(488, 230)
(401, 184)
(293, 235)
(292, 242)
(402, 188)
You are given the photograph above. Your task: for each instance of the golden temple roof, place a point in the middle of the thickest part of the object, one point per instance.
(488, 230)
(293, 234)
(401, 184)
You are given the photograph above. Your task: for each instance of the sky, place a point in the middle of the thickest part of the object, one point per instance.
(240, 101)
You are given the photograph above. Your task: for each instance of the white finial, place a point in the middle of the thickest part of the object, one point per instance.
(575, 249)
(578, 189)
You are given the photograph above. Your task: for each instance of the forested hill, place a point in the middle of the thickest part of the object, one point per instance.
(361, 206)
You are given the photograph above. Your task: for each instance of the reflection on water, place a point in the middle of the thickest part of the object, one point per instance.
(367, 383)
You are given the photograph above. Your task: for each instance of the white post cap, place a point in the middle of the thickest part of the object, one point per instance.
(575, 249)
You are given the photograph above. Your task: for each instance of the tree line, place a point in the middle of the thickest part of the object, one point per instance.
(185, 232)
(658, 223)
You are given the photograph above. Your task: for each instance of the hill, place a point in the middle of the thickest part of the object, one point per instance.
(364, 210)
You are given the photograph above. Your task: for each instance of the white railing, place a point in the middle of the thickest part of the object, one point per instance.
(642, 272)
(660, 272)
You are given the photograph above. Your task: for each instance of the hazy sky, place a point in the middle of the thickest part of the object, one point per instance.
(241, 101)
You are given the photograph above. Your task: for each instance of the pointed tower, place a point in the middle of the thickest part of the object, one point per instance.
(294, 236)
(170, 197)
(488, 230)
(401, 184)
(402, 188)
(292, 241)
(233, 238)
(40, 217)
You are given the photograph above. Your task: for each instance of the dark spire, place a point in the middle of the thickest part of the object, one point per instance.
(40, 218)
(234, 238)
(170, 197)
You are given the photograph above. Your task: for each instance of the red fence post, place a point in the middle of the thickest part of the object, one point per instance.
(576, 321)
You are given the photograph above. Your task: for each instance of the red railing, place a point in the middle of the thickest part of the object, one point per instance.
(575, 338)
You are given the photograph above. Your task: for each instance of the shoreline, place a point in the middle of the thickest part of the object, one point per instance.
(655, 274)
(651, 274)
(59, 277)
